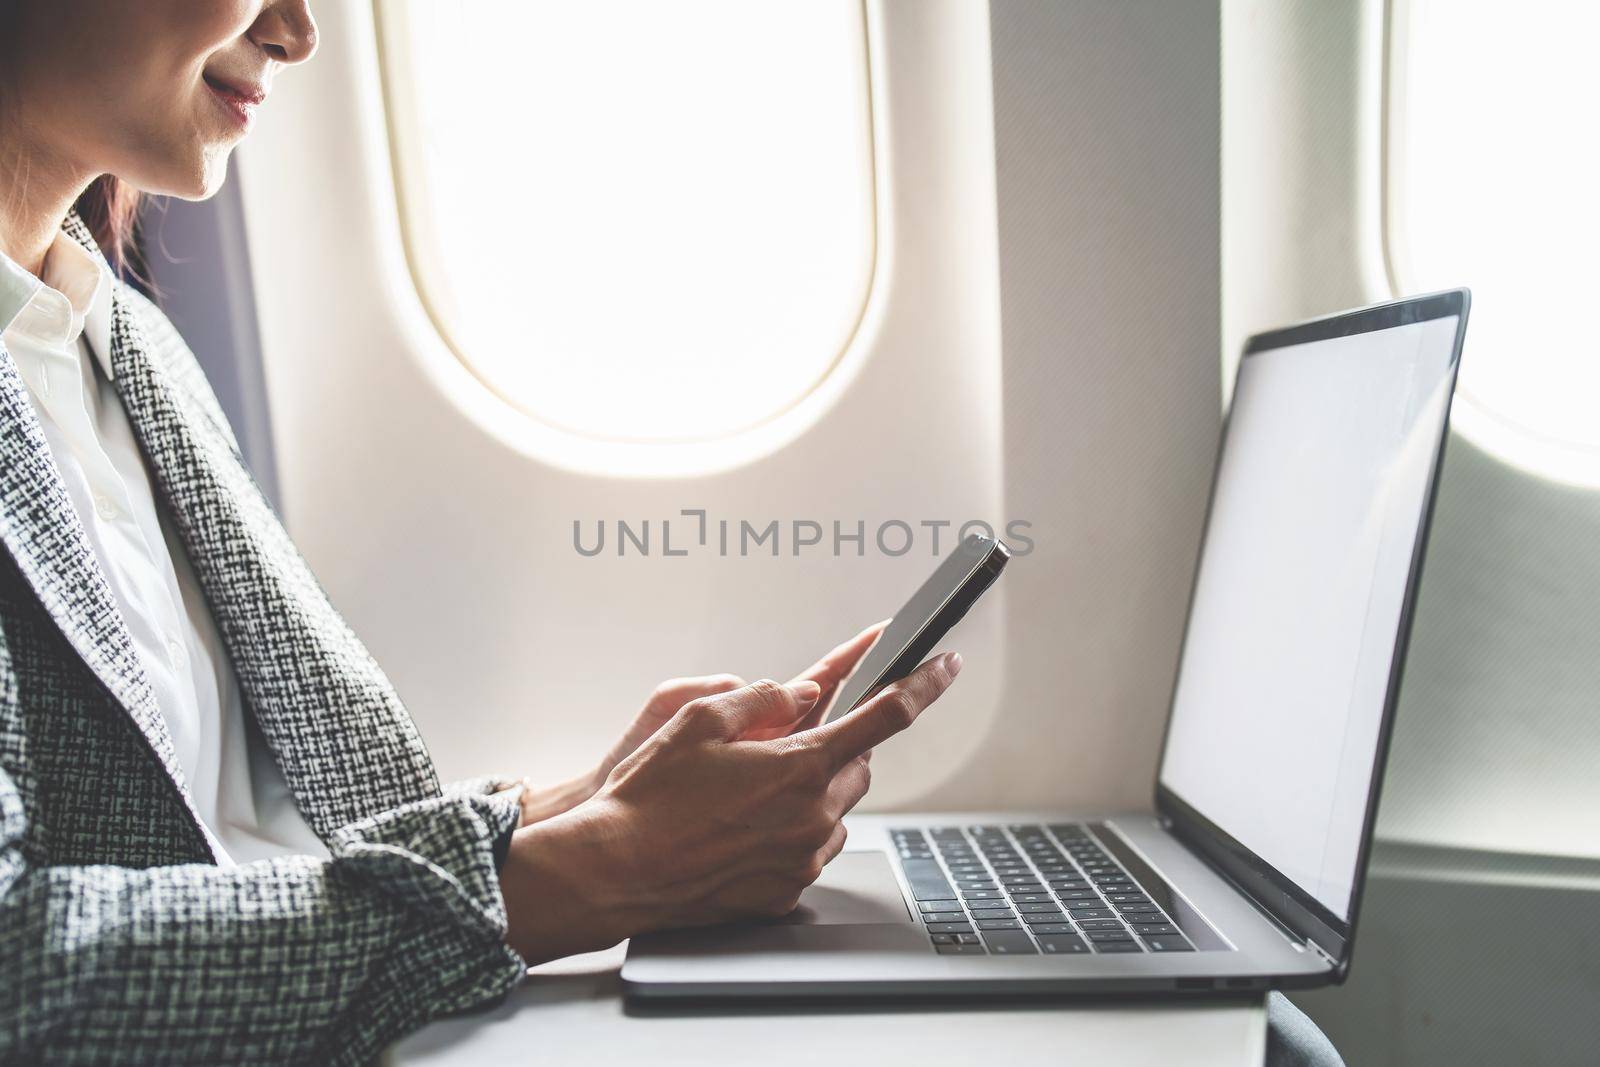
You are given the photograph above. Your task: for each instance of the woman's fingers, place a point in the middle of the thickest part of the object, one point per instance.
(662, 705)
(757, 706)
(849, 786)
(835, 667)
(835, 845)
(893, 709)
(827, 672)
(674, 693)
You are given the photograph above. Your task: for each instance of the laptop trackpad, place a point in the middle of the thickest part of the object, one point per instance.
(856, 888)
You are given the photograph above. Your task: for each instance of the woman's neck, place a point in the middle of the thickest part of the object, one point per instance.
(37, 189)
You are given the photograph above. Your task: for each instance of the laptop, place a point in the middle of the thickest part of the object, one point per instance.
(1247, 874)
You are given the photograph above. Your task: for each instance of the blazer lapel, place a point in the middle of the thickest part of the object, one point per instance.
(344, 741)
(41, 530)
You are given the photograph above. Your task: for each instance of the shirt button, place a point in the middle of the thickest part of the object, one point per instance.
(105, 507)
(175, 651)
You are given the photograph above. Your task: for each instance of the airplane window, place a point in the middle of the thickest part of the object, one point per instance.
(1491, 184)
(636, 221)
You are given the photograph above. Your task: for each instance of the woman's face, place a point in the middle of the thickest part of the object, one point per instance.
(155, 92)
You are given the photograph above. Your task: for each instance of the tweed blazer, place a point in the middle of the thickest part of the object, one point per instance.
(121, 939)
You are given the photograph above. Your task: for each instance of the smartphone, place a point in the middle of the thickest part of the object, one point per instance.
(956, 584)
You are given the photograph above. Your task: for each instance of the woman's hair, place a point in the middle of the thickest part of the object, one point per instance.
(110, 208)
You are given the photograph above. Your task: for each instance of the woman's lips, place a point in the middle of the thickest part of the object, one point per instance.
(239, 102)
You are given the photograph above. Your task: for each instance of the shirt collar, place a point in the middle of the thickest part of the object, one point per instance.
(17, 288)
(78, 275)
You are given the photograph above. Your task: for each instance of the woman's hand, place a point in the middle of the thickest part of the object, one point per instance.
(671, 695)
(728, 812)
(545, 802)
(661, 706)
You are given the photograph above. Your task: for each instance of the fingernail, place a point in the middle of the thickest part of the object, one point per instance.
(806, 692)
(952, 663)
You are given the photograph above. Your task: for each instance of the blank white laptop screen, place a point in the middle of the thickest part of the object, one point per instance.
(1286, 663)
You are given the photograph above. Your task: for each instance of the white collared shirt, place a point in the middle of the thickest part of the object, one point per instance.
(58, 331)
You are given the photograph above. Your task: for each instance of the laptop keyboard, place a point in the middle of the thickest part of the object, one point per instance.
(1025, 890)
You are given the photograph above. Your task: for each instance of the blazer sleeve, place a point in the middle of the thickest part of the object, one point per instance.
(292, 960)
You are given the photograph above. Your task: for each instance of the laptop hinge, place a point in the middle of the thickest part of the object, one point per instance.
(1296, 923)
(1260, 906)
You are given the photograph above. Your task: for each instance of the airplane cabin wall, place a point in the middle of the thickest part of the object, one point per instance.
(447, 539)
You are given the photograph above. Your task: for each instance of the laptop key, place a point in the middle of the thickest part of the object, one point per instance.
(965, 939)
(932, 892)
(1045, 905)
(1010, 943)
(1168, 944)
(1041, 929)
(960, 950)
(957, 916)
(927, 880)
(1137, 909)
(999, 924)
(950, 928)
(1063, 945)
(1100, 924)
(1031, 898)
(1144, 929)
(1128, 898)
(1044, 917)
(1117, 946)
(944, 939)
(1109, 935)
(1091, 913)
(1077, 894)
(922, 870)
(938, 905)
(969, 895)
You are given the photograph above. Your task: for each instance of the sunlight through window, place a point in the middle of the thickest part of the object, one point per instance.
(1493, 175)
(636, 221)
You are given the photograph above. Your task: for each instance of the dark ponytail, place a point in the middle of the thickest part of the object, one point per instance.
(110, 208)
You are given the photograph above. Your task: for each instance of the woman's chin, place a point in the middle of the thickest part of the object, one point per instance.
(198, 180)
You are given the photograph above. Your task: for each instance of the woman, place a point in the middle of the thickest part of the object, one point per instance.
(221, 839)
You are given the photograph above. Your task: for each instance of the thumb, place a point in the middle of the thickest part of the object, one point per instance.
(759, 705)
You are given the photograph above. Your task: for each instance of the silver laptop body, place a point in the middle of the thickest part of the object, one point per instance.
(1248, 873)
